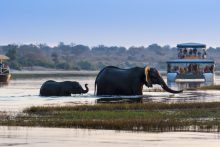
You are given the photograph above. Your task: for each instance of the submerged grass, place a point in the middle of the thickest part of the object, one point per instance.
(125, 106)
(211, 87)
(135, 117)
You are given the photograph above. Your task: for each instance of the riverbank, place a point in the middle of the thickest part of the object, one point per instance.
(149, 117)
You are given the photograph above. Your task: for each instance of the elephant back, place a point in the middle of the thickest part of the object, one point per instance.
(49, 87)
(116, 81)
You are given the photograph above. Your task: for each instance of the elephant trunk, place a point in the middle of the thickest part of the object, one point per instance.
(87, 89)
(166, 88)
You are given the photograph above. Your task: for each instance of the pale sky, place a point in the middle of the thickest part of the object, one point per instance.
(110, 22)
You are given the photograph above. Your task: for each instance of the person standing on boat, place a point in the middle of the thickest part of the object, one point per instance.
(180, 55)
(177, 69)
(199, 55)
(190, 52)
(204, 55)
(195, 51)
(185, 52)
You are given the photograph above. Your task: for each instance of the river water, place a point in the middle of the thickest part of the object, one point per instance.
(56, 137)
(23, 93)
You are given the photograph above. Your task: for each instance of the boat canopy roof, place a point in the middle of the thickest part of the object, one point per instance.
(191, 61)
(3, 57)
(191, 45)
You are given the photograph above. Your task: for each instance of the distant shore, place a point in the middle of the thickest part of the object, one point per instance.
(56, 73)
(60, 73)
(53, 73)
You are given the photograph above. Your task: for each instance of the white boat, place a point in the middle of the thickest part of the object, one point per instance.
(192, 68)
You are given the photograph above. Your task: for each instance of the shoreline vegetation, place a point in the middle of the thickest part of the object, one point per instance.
(149, 117)
(61, 73)
(82, 57)
(58, 73)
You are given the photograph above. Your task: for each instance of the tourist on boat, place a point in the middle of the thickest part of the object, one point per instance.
(190, 69)
(204, 55)
(185, 69)
(185, 52)
(180, 54)
(206, 69)
(190, 52)
(182, 71)
(195, 51)
(199, 55)
(177, 69)
(195, 68)
(211, 68)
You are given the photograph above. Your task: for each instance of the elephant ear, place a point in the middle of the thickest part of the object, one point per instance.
(147, 69)
(148, 81)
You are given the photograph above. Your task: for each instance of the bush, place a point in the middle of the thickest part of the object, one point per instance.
(63, 65)
(101, 65)
(15, 65)
(85, 65)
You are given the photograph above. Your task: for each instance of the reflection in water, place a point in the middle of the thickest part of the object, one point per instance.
(186, 96)
(2, 84)
(25, 136)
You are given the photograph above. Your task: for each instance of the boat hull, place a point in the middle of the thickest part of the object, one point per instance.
(5, 77)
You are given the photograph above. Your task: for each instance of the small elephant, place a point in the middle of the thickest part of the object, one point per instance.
(66, 88)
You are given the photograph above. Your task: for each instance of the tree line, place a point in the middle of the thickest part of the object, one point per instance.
(81, 57)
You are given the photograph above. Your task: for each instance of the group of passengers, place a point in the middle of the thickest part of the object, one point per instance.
(184, 53)
(4, 68)
(192, 69)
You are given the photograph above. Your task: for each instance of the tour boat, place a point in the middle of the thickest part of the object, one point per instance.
(192, 68)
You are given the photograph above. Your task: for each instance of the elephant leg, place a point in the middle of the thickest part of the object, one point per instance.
(103, 89)
(137, 90)
(65, 94)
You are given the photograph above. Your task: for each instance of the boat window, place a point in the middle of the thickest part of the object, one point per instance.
(190, 68)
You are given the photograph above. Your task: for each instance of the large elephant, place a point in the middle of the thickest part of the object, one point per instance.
(115, 81)
(66, 88)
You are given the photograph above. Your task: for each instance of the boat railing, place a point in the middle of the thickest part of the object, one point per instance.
(190, 76)
(192, 54)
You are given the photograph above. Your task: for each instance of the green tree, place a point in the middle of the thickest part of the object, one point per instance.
(12, 54)
(63, 66)
(55, 58)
